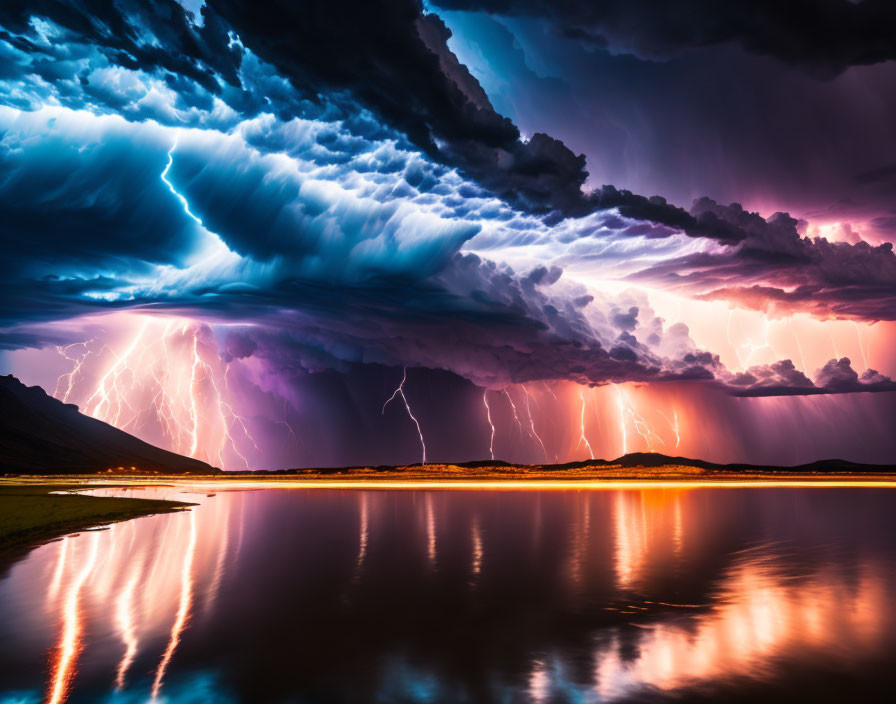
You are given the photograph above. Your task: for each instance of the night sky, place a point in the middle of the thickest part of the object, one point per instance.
(573, 228)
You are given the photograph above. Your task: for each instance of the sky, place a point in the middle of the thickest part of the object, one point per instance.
(272, 236)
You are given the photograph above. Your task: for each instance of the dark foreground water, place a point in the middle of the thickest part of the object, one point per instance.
(314, 595)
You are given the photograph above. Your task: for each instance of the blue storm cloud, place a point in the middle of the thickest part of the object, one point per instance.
(358, 207)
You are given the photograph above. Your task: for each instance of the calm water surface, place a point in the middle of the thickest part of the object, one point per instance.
(320, 595)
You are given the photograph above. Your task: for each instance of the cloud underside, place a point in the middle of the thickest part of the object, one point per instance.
(353, 192)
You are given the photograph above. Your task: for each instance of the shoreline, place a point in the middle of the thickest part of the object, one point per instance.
(450, 475)
(32, 514)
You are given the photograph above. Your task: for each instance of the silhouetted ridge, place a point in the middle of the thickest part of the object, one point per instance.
(41, 435)
(634, 460)
(655, 459)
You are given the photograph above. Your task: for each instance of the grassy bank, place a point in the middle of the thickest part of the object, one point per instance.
(29, 513)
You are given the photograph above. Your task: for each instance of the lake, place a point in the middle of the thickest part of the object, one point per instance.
(342, 595)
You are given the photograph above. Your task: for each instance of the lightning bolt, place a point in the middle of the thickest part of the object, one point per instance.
(752, 347)
(145, 384)
(532, 424)
(488, 415)
(227, 415)
(799, 346)
(100, 400)
(734, 347)
(642, 427)
(524, 429)
(180, 198)
(516, 418)
(289, 428)
(861, 346)
(620, 404)
(582, 436)
(674, 425)
(834, 345)
(749, 345)
(400, 392)
(68, 380)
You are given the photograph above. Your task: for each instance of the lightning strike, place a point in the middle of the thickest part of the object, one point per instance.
(525, 429)
(532, 424)
(674, 425)
(799, 347)
(861, 346)
(834, 345)
(68, 380)
(399, 391)
(582, 436)
(488, 415)
(180, 198)
(734, 347)
(620, 404)
(642, 427)
(516, 418)
(163, 384)
(752, 347)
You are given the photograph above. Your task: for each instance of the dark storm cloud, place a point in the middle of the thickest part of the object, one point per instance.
(475, 318)
(151, 35)
(717, 122)
(238, 345)
(326, 248)
(777, 270)
(822, 36)
(83, 197)
(783, 379)
(395, 61)
(391, 59)
(330, 230)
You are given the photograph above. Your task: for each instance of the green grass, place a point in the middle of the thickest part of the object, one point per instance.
(30, 514)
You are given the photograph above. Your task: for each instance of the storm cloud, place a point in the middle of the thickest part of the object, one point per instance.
(823, 37)
(336, 175)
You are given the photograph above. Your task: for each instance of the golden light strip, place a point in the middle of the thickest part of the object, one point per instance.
(529, 484)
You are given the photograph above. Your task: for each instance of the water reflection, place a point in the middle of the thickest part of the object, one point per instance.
(183, 608)
(70, 643)
(586, 596)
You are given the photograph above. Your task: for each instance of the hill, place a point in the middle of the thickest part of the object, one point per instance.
(41, 435)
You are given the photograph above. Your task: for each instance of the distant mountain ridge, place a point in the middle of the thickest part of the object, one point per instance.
(655, 459)
(631, 460)
(41, 435)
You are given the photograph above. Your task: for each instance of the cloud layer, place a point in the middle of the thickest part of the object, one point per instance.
(353, 192)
